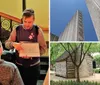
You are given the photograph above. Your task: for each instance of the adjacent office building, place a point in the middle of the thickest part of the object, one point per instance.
(53, 37)
(94, 10)
(74, 29)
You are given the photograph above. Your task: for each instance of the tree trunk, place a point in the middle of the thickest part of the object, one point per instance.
(78, 77)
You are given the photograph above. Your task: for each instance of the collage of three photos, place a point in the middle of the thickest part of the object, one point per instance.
(50, 42)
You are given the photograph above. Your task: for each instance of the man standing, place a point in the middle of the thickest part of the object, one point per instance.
(29, 67)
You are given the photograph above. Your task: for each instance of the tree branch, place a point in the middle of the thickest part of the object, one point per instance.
(81, 55)
(85, 53)
(68, 52)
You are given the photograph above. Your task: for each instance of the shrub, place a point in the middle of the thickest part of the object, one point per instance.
(73, 83)
(97, 70)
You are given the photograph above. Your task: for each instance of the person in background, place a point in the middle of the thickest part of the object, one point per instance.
(29, 67)
(9, 73)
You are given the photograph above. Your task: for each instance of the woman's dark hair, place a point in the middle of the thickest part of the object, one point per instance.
(28, 12)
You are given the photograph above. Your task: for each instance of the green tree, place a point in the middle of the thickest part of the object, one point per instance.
(97, 59)
(55, 51)
(77, 54)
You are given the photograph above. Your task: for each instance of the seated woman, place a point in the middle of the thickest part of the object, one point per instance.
(9, 74)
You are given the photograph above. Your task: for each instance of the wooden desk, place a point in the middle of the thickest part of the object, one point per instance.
(46, 80)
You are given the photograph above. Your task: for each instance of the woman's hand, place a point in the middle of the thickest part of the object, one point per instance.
(17, 46)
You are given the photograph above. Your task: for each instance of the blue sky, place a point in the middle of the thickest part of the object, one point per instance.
(61, 12)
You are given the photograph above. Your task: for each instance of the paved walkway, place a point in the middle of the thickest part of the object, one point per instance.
(95, 77)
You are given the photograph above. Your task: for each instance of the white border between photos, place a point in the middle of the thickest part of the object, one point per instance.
(49, 43)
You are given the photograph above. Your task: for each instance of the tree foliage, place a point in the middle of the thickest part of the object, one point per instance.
(56, 49)
(97, 59)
